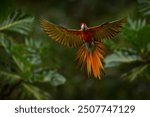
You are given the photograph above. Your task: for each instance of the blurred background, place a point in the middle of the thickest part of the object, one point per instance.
(32, 66)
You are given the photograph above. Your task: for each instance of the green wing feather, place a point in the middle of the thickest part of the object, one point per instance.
(64, 36)
(107, 30)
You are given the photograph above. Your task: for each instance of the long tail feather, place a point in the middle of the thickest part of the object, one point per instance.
(92, 59)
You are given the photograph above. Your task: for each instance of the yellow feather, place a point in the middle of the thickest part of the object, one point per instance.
(64, 36)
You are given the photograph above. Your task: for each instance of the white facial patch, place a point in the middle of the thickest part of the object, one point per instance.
(82, 26)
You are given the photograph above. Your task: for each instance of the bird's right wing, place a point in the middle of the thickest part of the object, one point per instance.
(64, 36)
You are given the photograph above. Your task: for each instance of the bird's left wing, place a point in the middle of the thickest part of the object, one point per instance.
(64, 36)
(107, 30)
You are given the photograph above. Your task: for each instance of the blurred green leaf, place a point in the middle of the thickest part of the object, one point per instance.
(135, 73)
(137, 33)
(17, 22)
(21, 65)
(50, 76)
(36, 92)
(57, 79)
(119, 57)
(144, 7)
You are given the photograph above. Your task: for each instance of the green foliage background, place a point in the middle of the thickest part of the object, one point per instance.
(32, 66)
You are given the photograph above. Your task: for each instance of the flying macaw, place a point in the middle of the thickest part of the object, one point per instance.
(88, 40)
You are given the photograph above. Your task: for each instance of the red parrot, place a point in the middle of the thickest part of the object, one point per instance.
(88, 40)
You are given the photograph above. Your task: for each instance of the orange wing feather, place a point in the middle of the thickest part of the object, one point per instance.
(62, 35)
(107, 30)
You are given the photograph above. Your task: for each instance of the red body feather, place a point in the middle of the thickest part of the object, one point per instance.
(86, 36)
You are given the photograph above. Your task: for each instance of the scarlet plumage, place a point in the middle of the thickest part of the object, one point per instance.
(86, 36)
(88, 41)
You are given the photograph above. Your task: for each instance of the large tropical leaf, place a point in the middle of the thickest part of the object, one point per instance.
(23, 63)
(120, 57)
(17, 22)
(136, 33)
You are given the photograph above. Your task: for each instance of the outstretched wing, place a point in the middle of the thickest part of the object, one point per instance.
(107, 30)
(64, 36)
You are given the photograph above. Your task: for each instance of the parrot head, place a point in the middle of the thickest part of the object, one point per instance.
(83, 26)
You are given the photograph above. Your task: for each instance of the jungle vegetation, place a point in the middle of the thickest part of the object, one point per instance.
(32, 66)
